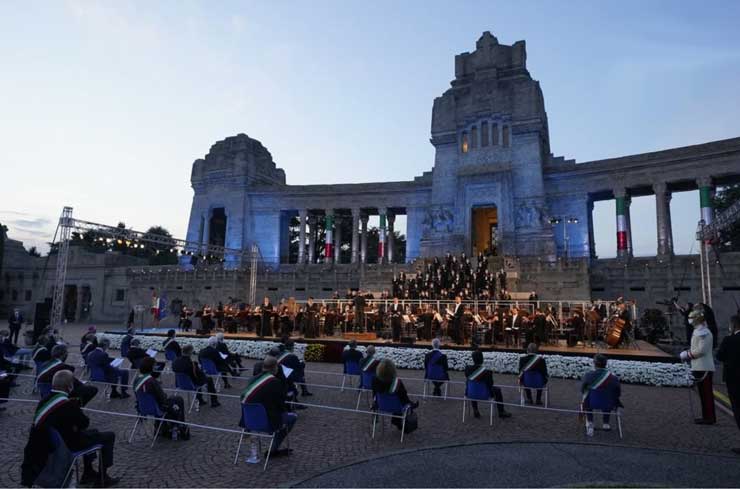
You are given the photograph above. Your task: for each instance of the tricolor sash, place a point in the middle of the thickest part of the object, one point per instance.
(370, 365)
(528, 366)
(37, 351)
(282, 357)
(49, 406)
(168, 342)
(141, 381)
(394, 385)
(604, 377)
(477, 374)
(256, 385)
(48, 367)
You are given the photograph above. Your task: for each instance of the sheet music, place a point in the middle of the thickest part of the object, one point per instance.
(116, 363)
(223, 355)
(286, 371)
(151, 353)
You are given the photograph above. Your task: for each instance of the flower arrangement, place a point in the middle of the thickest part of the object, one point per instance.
(314, 353)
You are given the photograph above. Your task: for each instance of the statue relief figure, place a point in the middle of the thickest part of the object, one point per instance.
(439, 220)
(529, 215)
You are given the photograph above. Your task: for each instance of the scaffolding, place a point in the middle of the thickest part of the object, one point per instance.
(708, 233)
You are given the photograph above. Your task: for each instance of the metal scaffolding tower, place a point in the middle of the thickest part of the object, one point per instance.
(706, 234)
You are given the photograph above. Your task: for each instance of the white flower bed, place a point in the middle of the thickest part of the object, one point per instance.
(567, 367)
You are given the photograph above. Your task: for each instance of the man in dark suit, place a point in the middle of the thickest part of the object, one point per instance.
(286, 357)
(136, 354)
(233, 359)
(599, 378)
(457, 320)
(171, 344)
(532, 361)
(83, 392)
(99, 358)
(126, 342)
(396, 311)
(359, 304)
(268, 390)
(63, 414)
(211, 353)
(185, 365)
(266, 318)
(729, 355)
(539, 327)
(478, 373)
(438, 359)
(15, 321)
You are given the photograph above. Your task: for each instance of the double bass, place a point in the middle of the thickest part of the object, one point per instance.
(614, 331)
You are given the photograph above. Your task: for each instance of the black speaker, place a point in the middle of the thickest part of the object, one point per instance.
(41, 317)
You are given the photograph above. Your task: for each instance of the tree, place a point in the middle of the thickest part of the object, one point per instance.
(730, 237)
(34, 252)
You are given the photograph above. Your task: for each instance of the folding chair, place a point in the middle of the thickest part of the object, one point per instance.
(387, 406)
(255, 422)
(366, 387)
(602, 400)
(210, 369)
(146, 405)
(476, 391)
(435, 373)
(350, 368)
(183, 382)
(97, 374)
(57, 441)
(533, 380)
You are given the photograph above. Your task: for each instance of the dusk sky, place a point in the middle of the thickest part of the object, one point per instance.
(104, 106)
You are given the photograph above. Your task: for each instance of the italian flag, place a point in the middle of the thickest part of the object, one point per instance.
(50, 405)
(705, 201)
(329, 245)
(622, 237)
(381, 239)
(256, 386)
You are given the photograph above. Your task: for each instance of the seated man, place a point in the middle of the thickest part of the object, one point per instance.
(41, 353)
(136, 353)
(7, 378)
(10, 351)
(386, 381)
(211, 353)
(81, 391)
(170, 344)
(532, 362)
(87, 339)
(351, 354)
(479, 373)
(185, 365)
(233, 359)
(99, 358)
(268, 389)
(173, 407)
(63, 414)
(291, 360)
(436, 357)
(599, 379)
(126, 342)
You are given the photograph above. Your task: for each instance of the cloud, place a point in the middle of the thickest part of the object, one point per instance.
(30, 223)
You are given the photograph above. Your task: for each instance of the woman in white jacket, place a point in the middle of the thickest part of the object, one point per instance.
(702, 365)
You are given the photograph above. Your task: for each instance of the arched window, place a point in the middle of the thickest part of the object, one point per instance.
(505, 136)
(474, 137)
(464, 143)
(484, 134)
(494, 133)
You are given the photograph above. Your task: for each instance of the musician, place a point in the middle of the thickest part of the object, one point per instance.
(478, 373)
(599, 378)
(427, 317)
(312, 319)
(456, 316)
(578, 325)
(436, 357)
(539, 327)
(184, 365)
(624, 314)
(702, 365)
(396, 311)
(286, 322)
(532, 361)
(729, 355)
(359, 304)
(185, 322)
(84, 392)
(171, 344)
(516, 323)
(266, 318)
(330, 320)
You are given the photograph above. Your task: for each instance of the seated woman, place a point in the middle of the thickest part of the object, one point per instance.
(387, 382)
(173, 407)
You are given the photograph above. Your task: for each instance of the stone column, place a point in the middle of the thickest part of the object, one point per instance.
(391, 221)
(329, 236)
(663, 217)
(337, 239)
(363, 238)
(312, 239)
(382, 235)
(302, 213)
(623, 230)
(355, 236)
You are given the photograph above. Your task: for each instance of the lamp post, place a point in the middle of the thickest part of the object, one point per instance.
(565, 220)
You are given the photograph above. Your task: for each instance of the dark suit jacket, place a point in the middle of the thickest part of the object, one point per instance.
(272, 397)
(380, 387)
(184, 365)
(135, 355)
(487, 377)
(441, 359)
(173, 345)
(540, 366)
(729, 355)
(351, 355)
(212, 354)
(100, 358)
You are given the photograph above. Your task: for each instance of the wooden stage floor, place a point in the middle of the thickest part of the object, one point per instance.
(641, 351)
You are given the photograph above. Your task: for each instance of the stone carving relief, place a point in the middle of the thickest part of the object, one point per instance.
(439, 220)
(530, 215)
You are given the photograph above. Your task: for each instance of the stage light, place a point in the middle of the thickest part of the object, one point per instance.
(554, 220)
(573, 220)
(119, 241)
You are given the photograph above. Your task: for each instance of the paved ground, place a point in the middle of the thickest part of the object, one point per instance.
(324, 439)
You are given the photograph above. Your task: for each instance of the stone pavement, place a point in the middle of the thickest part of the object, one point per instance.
(656, 418)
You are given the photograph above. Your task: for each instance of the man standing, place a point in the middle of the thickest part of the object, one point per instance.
(457, 319)
(702, 365)
(15, 321)
(396, 312)
(729, 355)
(359, 304)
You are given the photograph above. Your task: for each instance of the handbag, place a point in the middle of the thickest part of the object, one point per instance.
(412, 422)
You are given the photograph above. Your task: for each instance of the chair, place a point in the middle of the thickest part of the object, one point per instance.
(170, 355)
(533, 380)
(351, 367)
(476, 391)
(256, 423)
(124, 350)
(44, 389)
(603, 400)
(210, 369)
(146, 405)
(97, 374)
(366, 386)
(388, 405)
(57, 441)
(435, 373)
(183, 382)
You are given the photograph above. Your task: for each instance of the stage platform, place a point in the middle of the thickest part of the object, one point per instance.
(641, 351)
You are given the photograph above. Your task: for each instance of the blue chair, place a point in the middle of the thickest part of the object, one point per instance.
(97, 374)
(39, 366)
(603, 400)
(57, 441)
(350, 368)
(435, 373)
(476, 391)
(388, 405)
(124, 350)
(255, 422)
(366, 386)
(210, 369)
(44, 389)
(170, 355)
(146, 405)
(183, 382)
(534, 380)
